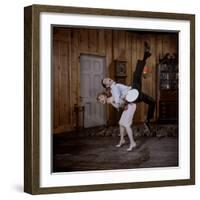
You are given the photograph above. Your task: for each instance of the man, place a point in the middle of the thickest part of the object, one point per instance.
(119, 91)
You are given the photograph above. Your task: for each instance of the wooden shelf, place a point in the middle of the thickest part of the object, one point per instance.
(167, 96)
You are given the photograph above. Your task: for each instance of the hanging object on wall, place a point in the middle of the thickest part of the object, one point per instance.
(147, 71)
(120, 71)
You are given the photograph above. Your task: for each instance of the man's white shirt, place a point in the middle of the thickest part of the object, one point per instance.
(119, 92)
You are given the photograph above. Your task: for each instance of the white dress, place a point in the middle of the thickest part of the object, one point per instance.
(127, 115)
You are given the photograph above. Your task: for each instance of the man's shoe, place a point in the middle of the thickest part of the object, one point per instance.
(148, 128)
(147, 53)
(146, 47)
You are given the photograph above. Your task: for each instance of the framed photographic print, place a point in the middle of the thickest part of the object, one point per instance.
(109, 99)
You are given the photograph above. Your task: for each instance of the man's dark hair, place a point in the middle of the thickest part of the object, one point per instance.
(103, 83)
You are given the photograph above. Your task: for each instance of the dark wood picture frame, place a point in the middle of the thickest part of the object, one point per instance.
(32, 92)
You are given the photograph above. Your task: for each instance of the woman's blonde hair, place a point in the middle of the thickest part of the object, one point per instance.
(102, 94)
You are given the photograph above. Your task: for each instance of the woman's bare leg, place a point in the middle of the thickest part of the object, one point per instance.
(122, 140)
(130, 135)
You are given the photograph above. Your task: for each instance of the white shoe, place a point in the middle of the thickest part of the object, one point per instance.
(121, 143)
(131, 147)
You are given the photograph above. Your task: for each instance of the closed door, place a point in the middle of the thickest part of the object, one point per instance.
(92, 70)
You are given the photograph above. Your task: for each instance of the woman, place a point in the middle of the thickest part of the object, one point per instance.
(126, 119)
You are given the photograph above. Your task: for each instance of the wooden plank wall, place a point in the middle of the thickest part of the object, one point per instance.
(69, 43)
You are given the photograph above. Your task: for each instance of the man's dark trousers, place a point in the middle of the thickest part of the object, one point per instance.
(137, 84)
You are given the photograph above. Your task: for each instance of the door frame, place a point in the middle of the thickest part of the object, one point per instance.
(79, 77)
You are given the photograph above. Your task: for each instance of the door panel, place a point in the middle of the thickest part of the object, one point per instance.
(92, 70)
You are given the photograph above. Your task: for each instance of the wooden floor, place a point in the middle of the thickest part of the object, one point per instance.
(80, 153)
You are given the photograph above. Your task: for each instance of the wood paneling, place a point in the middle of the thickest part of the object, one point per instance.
(70, 43)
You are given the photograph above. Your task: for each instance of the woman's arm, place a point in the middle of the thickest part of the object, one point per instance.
(113, 103)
